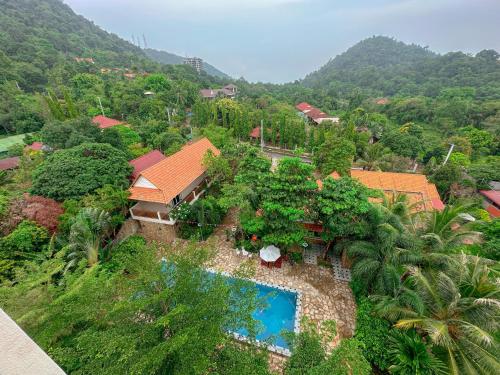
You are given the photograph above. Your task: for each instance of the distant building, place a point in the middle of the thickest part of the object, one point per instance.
(228, 91)
(104, 122)
(313, 114)
(9, 163)
(89, 60)
(195, 62)
(491, 202)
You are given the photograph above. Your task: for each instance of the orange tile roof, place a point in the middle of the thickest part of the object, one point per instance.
(174, 174)
(414, 185)
(146, 194)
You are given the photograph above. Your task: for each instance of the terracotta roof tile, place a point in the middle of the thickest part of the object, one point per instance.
(146, 194)
(492, 195)
(416, 186)
(303, 106)
(106, 122)
(35, 146)
(145, 161)
(9, 163)
(175, 173)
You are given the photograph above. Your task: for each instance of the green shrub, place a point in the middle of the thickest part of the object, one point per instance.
(372, 332)
(23, 243)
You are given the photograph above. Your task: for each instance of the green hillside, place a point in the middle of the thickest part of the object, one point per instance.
(385, 66)
(36, 36)
(168, 58)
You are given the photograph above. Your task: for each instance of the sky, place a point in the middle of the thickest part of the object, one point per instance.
(283, 40)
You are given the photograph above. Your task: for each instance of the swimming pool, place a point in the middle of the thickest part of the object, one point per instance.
(280, 314)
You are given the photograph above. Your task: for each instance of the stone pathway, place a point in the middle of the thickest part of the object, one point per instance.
(311, 255)
(324, 297)
(339, 272)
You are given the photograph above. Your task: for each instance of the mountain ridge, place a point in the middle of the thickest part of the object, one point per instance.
(169, 58)
(377, 62)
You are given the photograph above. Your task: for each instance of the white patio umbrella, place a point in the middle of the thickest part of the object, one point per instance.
(270, 253)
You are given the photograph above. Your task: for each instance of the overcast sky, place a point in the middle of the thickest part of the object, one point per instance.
(283, 40)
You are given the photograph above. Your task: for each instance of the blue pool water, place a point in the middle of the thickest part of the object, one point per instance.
(278, 315)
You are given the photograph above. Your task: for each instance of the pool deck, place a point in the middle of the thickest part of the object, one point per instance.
(323, 297)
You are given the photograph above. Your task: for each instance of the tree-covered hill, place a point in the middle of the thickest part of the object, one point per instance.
(39, 35)
(168, 58)
(385, 66)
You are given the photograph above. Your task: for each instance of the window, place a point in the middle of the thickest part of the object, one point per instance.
(176, 200)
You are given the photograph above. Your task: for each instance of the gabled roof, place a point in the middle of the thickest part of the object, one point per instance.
(492, 195)
(9, 163)
(316, 113)
(415, 186)
(172, 175)
(145, 161)
(303, 106)
(419, 191)
(106, 122)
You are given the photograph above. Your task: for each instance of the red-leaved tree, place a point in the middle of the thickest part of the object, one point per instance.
(43, 211)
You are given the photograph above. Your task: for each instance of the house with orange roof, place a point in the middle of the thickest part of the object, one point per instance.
(313, 114)
(422, 194)
(171, 181)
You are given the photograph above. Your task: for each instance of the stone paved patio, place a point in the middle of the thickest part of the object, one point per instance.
(323, 296)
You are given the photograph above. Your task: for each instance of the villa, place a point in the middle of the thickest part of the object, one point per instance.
(313, 114)
(422, 194)
(171, 181)
(228, 91)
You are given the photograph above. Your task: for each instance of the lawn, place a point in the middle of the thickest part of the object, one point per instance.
(6, 142)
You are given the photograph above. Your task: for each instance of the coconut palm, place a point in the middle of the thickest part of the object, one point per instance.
(459, 326)
(90, 227)
(379, 259)
(373, 156)
(442, 230)
(410, 355)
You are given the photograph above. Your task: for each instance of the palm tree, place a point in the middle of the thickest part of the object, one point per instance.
(442, 230)
(458, 325)
(373, 156)
(91, 226)
(380, 257)
(410, 355)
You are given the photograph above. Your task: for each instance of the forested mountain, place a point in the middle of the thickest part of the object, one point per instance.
(168, 58)
(40, 39)
(39, 35)
(384, 66)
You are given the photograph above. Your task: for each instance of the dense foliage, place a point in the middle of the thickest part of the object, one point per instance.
(99, 302)
(76, 171)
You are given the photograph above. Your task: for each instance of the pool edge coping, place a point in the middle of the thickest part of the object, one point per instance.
(259, 343)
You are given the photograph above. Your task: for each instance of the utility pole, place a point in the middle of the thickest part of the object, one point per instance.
(100, 105)
(168, 114)
(145, 43)
(133, 39)
(449, 153)
(262, 135)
